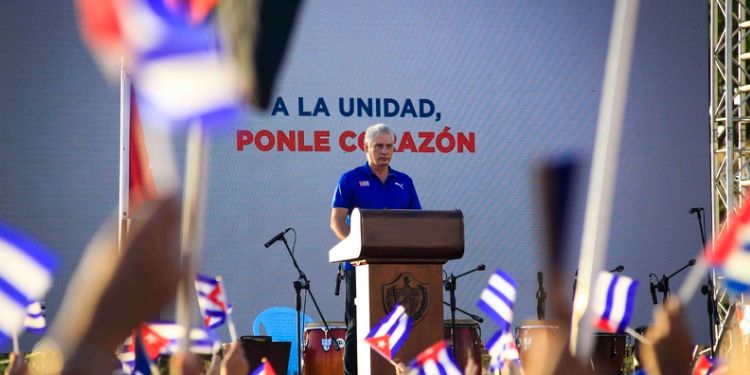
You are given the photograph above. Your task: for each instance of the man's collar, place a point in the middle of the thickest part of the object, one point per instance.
(368, 169)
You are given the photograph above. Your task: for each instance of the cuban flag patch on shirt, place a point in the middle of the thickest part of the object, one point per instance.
(364, 183)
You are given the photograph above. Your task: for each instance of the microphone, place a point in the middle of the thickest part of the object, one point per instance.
(339, 276)
(696, 209)
(276, 238)
(476, 318)
(619, 268)
(652, 288)
(691, 262)
(480, 268)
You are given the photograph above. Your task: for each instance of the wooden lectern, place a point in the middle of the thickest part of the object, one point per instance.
(400, 255)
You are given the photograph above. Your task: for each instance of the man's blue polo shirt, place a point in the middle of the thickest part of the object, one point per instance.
(361, 188)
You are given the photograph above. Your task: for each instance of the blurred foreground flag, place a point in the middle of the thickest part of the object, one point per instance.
(258, 33)
(387, 336)
(731, 251)
(25, 276)
(211, 299)
(173, 50)
(181, 70)
(498, 298)
(265, 368)
(435, 360)
(35, 321)
(613, 302)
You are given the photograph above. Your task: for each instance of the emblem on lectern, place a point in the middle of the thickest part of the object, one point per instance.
(409, 292)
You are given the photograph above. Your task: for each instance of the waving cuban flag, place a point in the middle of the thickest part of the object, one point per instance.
(265, 368)
(387, 336)
(202, 341)
(613, 301)
(502, 347)
(498, 298)
(26, 269)
(435, 360)
(212, 301)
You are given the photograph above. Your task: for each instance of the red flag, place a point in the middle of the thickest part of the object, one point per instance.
(141, 185)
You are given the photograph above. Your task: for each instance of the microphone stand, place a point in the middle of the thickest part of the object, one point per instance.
(303, 283)
(450, 286)
(708, 289)
(473, 317)
(663, 284)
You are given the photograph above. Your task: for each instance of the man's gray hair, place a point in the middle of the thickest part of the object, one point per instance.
(373, 130)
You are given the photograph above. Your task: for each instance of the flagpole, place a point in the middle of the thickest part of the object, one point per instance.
(693, 280)
(603, 170)
(124, 188)
(193, 204)
(230, 321)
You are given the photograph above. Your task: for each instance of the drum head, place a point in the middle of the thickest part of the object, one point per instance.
(320, 325)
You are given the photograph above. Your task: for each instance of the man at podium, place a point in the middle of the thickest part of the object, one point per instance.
(374, 185)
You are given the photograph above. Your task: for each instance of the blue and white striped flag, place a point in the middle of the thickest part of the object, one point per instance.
(26, 269)
(498, 298)
(389, 334)
(613, 302)
(35, 321)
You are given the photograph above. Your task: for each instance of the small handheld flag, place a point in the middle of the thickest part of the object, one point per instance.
(435, 360)
(25, 276)
(498, 298)
(202, 341)
(212, 301)
(265, 368)
(502, 347)
(143, 364)
(613, 302)
(389, 334)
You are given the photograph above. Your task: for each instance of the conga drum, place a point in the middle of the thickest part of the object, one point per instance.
(468, 341)
(320, 356)
(609, 353)
(530, 335)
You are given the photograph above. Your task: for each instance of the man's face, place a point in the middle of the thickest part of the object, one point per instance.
(380, 151)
